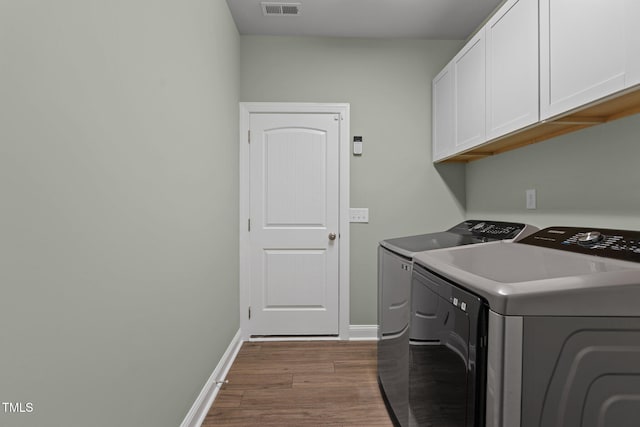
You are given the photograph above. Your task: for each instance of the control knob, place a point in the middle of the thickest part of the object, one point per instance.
(590, 238)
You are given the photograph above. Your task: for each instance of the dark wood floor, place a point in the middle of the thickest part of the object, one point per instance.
(318, 383)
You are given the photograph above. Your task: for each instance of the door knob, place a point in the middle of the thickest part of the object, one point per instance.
(332, 236)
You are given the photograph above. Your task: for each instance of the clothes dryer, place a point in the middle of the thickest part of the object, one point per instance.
(404, 312)
(543, 332)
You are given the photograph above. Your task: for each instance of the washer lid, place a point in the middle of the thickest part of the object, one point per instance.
(409, 245)
(466, 233)
(519, 279)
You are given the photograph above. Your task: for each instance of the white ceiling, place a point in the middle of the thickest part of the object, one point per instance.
(426, 19)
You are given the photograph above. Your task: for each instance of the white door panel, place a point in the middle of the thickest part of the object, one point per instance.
(469, 91)
(295, 183)
(294, 207)
(582, 53)
(632, 13)
(443, 112)
(512, 68)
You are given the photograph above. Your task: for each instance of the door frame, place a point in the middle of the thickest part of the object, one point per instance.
(343, 109)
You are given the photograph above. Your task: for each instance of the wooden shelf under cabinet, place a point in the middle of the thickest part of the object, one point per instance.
(604, 110)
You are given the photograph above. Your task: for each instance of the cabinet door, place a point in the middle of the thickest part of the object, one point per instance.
(442, 114)
(512, 68)
(632, 15)
(582, 52)
(469, 94)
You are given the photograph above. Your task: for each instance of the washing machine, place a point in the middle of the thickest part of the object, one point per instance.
(540, 332)
(404, 313)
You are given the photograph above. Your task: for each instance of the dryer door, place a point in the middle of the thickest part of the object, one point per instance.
(447, 375)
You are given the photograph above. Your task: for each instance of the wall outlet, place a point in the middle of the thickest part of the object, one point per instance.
(531, 198)
(359, 215)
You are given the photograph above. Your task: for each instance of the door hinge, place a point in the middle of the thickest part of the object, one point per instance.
(249, 224)
(249, 312)
(249, 136)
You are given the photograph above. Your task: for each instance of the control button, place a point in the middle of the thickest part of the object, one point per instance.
(590, 238)
(455, 301)
(463, 306)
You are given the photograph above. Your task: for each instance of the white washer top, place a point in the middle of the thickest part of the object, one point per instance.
(520, 279)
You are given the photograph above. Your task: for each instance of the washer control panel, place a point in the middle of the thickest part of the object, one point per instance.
(489, 230)
(618, 244)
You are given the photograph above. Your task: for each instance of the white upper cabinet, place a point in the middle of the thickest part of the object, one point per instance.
(536, 70)
(469, 93)
(582, 52)
(442, 112)
(632, 16)
(512, 68)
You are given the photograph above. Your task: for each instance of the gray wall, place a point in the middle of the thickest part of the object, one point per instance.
(388, 84)
(118, 207)
(589, 178)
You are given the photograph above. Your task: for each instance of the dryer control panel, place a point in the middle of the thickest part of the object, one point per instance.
(604, 242)
(489, 230)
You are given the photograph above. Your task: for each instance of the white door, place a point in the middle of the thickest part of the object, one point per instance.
(632, 12)
(442, 106)
(469, 91)
(512, 68)
(582, 52)
(294, 214)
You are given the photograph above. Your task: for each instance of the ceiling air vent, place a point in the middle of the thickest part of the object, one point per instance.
(280, 9)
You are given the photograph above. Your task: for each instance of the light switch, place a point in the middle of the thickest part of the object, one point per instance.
(359, 215)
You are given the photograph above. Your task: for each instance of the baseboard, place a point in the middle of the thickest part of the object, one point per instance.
(363, 332)
(280, 338)
(356, 333)
(201, 406)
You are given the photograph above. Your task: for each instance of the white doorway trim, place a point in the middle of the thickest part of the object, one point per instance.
(248, 108)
